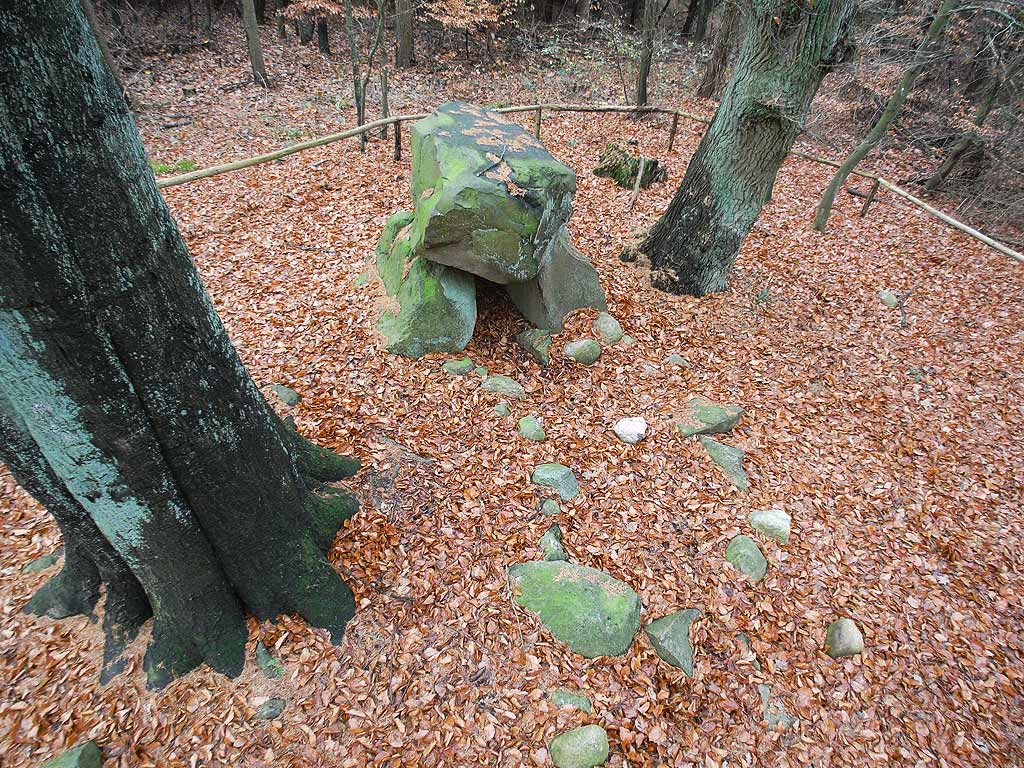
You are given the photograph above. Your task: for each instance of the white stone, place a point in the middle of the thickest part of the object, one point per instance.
(631, 430)
(773, 523)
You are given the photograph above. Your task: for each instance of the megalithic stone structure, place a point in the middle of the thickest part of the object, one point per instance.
(490, 203)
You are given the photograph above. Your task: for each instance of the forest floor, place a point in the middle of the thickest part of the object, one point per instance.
(895, 447)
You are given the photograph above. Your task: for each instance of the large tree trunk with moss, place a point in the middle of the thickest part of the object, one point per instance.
(786, 51)
(892, 109)
(124, 408)
(404, 51)
(252, 39)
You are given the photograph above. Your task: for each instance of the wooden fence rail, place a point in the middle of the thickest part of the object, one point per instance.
(397, 120)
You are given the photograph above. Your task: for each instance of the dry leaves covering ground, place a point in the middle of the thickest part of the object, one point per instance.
(897, 450)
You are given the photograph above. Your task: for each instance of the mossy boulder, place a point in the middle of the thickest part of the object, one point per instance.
(559, 478)
(747, 557)
(701, 416)
(84, 755)
(436, 304)
(585, 747)
(489, 197)
(566, 281)
(592, 612)
(670, 638)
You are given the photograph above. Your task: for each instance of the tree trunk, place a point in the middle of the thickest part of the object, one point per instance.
(892, 109)
(304, 30)
(124, 408)
(646, 51)
(101, 42)
(692, 9)
(260, 6)
(718, 63)
(700, 29)
(252, 38)
(323, 40)
(730, 177)
(279, 7)
(404, 54)
(208, 21)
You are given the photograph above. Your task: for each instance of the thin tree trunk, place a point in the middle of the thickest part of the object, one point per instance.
(700, 30)
(208, 24)
(384, 109)
(252, 37)
(323, 40)
(692, 9)
(304, 30)
(279, 7)
(646, 51)
(404, 51)
(970, 138)
(124, 408)
(718, 63)
(892, 109)
(693, 245)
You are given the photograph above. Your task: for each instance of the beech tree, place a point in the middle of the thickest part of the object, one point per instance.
(252, 39)
(404, 52)
(787, 49)
(725, 42)
(124, 407)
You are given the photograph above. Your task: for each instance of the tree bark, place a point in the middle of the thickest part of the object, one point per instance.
(279, 7)
(101, 41)
(718, 63)
(892, 109)
(252, 38)
(646, 51)
(304, 30)
(323, 40)
(124, 408)
(786, 52)
(404, 52)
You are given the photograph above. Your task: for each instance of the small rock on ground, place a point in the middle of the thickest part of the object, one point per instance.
(557, 477)
(503, 385)
(843, 639)
(670, 637)
(701, 416)
(530, 428)
(631, 430)
(502, 409)
(267, 662)
(549, 507)
(729, 459)
(585, 747)
(551, 543)
(288, 395)
(563, 698)
(458, 367)
(772, 710)
(583, 351)
(270, 709)
(747, 557)
(480, 371)
(84, 755)
(677, 360)
(608, 328)
(773, 523)
(889, 298)
(537, 343)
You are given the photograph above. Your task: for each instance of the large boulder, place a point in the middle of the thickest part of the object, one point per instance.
(436, 309)
(565, 281)
(593, 613)
(491, 202)
(489, 197)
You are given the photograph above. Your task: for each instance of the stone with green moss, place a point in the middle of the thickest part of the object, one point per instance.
(549, 507)
(489, 197)
(530, 428)
(747, 557)
(559, 478)
(563, 698)
(271, 709)
(551, 544)
(566, 281)
(436, 304)
(503, 385)
(608, 328)
(592, 612)
(287, 395)
(701, 416)
(843, 639)
(670, 638)
(773, 711)
(84, 755)
(458, 367)
(583, 351)
(268, 663)
(537, 343)
(619, 162)
(585, 747)
(502, 410)
(729, 459)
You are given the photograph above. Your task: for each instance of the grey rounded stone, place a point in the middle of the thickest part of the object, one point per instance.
(530, 428)
(608, 328)
(557, 477)
(747, 557)
(503, 385)
(583, 351)
(773, 523)
(843, 638)
(585, 747)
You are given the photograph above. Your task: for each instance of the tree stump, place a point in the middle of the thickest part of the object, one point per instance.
(620, 165)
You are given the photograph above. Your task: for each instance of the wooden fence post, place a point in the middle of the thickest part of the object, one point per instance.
(398, 140)
(536, 124)
(870, 199)
(672, 132)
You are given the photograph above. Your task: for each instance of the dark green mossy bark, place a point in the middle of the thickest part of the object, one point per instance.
(125, 409)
